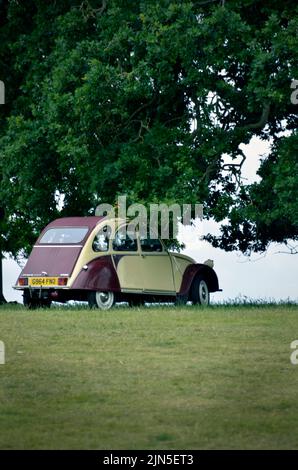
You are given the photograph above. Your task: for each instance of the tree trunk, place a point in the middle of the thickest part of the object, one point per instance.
(2, 299)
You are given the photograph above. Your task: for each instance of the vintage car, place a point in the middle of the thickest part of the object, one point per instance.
(97, 259)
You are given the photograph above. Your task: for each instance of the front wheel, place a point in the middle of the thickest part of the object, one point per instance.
(101, 300)
(200, 291)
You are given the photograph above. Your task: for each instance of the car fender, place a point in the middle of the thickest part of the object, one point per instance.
(192, 271)
(100, 275)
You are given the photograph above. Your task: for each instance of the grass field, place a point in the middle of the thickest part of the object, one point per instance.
(152, 378)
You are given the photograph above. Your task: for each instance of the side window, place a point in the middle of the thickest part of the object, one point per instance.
(101, 240)
(125, 241)
(150, 245)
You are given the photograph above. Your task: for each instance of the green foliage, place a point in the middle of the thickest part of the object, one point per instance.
(144, 98)
(268, 210)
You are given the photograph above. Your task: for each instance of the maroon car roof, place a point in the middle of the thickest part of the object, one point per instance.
(89, 222)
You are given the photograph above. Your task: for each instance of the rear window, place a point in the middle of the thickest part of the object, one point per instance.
(64, 235)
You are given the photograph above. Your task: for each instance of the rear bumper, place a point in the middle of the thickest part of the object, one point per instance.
(43, 293)
(30, 288)
(62, 294)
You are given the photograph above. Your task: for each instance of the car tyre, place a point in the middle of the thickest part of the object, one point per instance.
(32, 304)
(200, 291)
(101, 300)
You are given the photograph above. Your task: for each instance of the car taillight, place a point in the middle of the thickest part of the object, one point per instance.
(62, 281)
(23, 281)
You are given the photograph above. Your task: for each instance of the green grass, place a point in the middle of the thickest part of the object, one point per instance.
(152, 378)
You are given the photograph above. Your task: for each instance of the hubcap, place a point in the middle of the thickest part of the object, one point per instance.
(104, 300)
(204, 293)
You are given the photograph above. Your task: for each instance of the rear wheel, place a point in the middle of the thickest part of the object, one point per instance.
(33, 303)
(101, 300)
(200, 291)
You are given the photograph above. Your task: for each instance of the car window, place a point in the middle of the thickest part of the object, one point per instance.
(101, 240)
(64, 235)
(150, 245)
(125, 240)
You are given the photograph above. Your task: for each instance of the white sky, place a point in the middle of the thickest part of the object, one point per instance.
(270, 277)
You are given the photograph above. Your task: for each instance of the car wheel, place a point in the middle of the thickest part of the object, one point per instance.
(200, 291)
(101, 300)
(32, 304)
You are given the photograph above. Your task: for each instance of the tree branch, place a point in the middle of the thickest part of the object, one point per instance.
(88, 11)
(263, 119)
(210, 1)
(292, 250)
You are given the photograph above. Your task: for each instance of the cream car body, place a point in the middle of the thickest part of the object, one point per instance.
(97, 259)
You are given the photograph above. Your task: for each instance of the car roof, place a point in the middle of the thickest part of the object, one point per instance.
(89, 222)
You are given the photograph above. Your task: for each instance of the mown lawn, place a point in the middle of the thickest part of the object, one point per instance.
(152, 378)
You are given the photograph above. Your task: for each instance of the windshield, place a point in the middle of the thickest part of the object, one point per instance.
(64, 235)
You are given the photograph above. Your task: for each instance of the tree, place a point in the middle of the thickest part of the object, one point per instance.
(266, 211)
(108, 94)
(17, 21)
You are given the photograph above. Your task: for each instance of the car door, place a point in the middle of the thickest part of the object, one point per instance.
(127, 260)
(156, 267)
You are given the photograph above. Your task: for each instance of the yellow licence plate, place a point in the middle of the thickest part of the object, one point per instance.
(43, 281)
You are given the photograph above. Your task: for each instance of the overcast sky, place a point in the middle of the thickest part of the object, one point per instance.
(273, 275)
